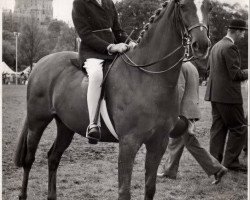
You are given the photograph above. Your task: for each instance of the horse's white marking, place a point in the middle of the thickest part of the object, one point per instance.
(198, 4)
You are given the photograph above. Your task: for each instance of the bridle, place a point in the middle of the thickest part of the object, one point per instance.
(185, 31)
(186, 43)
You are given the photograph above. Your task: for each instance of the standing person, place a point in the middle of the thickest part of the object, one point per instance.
(224, 92)
(96, 22)
(188, 86)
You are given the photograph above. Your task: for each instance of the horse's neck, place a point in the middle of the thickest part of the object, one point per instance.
(160, 40)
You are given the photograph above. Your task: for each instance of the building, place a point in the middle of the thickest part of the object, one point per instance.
(41, 10)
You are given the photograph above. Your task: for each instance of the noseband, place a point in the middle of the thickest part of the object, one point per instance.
(185, 31)
(186, 42)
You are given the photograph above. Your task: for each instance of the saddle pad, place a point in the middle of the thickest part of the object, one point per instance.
(106, 118)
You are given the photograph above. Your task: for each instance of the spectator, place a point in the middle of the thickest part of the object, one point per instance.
(188, 84)
(224, 92)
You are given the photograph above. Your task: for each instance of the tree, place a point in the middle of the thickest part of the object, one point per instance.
(135, 14)
(9, 53)
(53, 33)
(7, 21)
(32, 43)
(66, 40)
(220, 16)
(10, 23)
(8, 36)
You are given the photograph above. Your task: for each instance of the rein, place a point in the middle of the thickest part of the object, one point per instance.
(147, 65)
(186, 39)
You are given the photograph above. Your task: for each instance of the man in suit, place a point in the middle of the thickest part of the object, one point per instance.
(96, 22)
(188, 87)
(224, 92)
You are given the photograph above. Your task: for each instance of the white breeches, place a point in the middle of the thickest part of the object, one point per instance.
(94, 67)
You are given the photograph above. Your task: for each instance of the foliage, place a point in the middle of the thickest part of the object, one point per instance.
(134, 14)
(66, 40)
(35, 41)
(9, 52)
(220, 17)
(56, 26)
(7, 22)
(54, 31)
(32, 45)
(8, 36)
(10, 23)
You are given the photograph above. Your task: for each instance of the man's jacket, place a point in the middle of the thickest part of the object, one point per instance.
(225, 75)
(92, 22)
(188, 86)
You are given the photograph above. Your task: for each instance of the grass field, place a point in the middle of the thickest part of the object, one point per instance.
(90, 172)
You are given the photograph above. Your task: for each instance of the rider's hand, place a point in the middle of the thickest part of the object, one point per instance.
(118, 48)
(132, 44)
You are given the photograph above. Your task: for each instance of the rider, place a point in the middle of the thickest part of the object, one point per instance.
(96, 22)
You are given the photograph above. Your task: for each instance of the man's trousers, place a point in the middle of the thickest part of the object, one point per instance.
(175, 149)
(228, 119)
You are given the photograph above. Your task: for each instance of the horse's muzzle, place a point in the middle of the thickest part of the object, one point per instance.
(200, 44)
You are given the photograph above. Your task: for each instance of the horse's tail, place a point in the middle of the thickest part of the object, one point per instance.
(21, 148)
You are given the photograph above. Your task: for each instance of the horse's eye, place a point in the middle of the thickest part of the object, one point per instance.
(182, 5)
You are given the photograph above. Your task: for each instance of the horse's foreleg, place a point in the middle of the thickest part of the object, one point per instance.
(35, 131)
(155, 151)
(127, 152)
(23, 194)
(63, 140)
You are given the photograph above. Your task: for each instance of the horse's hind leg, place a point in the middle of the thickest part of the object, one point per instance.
(35, 131)
(63, 140)
(155, 150)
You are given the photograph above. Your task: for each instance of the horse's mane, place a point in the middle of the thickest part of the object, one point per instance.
(155, 17)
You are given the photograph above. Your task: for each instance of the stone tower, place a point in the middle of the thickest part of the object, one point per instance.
(41, 10)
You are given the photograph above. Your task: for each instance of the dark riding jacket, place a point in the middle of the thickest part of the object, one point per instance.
(97, 26)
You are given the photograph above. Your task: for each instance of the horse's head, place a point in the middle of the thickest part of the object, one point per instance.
(194, 17)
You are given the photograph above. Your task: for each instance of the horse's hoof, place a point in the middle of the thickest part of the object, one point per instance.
(51, 198)
(93, 141)
(22, 197)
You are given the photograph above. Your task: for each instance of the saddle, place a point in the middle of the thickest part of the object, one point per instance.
(76, 63)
